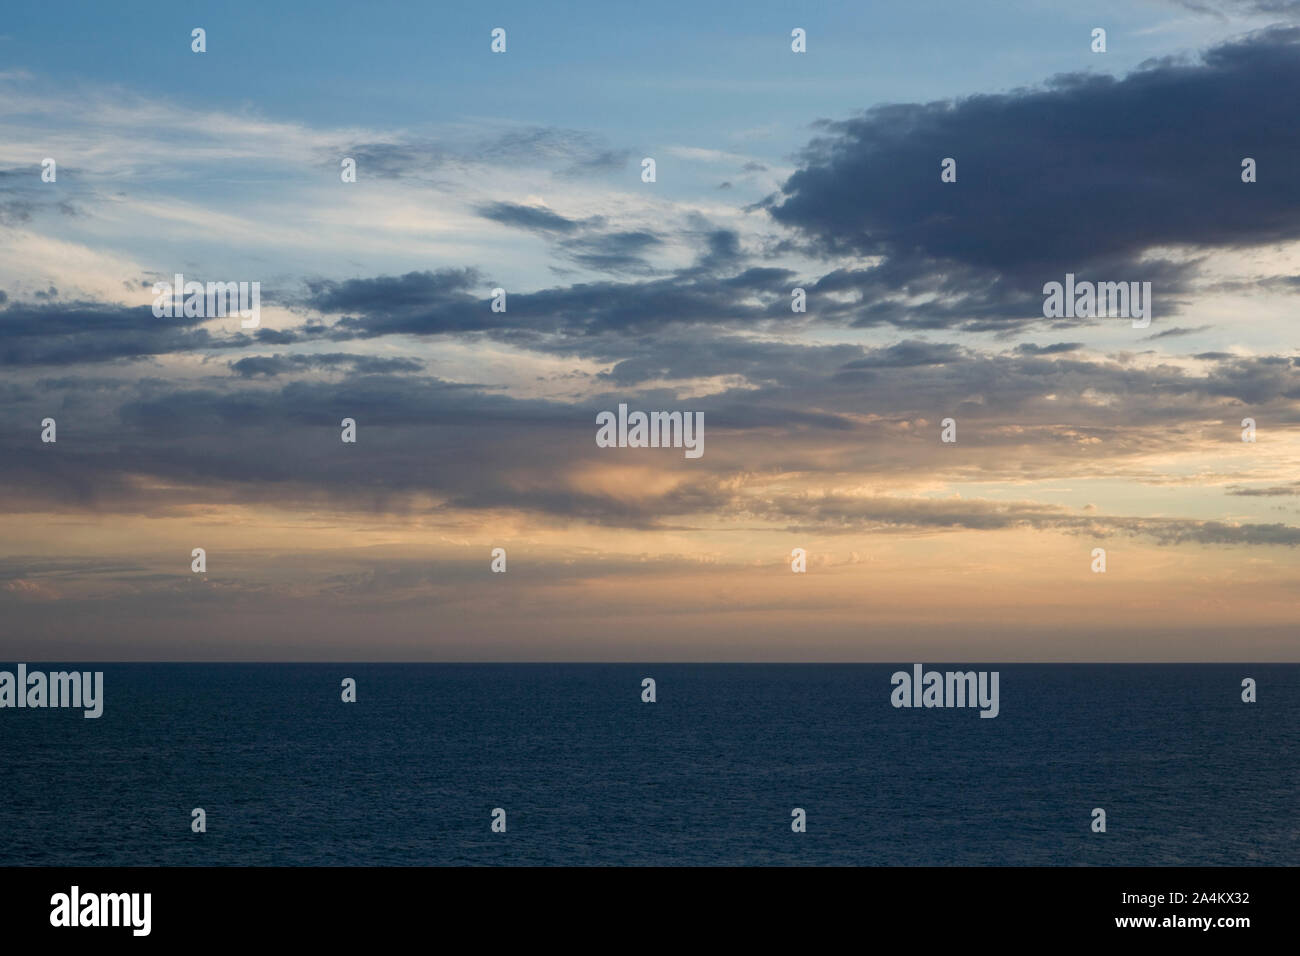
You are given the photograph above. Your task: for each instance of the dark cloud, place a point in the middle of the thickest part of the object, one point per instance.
(722, 251)
(469, 447)
(1059, 348)
(431, 303)
(271, 365)
(51, 332)
(536, 218)
(1088, 174)
(612, 252)
(62, 334)
(1255, 379)
(465, 446)
(415, 303)
(584, 242)
(1177, 331)
(800, 409)
(907, 355)
(670, 357)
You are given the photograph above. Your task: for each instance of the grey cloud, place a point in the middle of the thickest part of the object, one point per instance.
(568, 153)
(271, 365)
(1041, 188)
(612, 252)
(67, 333)
(527, 217)
(1272, 491)
(908, 354)
(1059, 348)
(584, 242)
(1177, 331)
(831, 513)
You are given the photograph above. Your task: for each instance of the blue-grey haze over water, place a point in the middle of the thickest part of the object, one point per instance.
(589, 774)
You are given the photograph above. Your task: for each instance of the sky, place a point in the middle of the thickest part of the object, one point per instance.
(476, 429)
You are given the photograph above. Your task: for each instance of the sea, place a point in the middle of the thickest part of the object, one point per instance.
(709, 774)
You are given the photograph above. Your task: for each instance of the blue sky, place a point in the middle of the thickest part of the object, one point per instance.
(642, 73)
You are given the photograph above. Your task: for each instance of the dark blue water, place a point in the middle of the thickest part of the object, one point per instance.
(588, 774)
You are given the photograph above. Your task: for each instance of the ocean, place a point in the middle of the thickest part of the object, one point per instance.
(709, 774)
